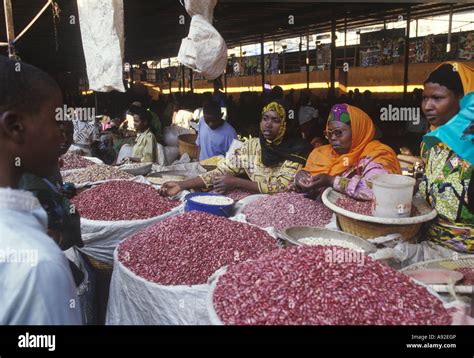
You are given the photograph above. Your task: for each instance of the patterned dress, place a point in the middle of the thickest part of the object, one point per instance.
(445, 186)
(248, 160)
(356, 181)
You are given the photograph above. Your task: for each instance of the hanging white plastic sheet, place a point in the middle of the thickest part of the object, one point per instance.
(203, 50)
(102, 33)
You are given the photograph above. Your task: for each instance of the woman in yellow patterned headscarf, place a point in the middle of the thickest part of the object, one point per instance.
(270, 161)
(280, 145)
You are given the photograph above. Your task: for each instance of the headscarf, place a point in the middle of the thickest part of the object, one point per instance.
(284, 146)
(325, 159)
(458, 133)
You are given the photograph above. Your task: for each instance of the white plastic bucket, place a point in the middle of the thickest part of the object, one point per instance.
(393, 195)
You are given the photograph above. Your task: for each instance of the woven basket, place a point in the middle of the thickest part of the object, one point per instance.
(99, 265)
(367, 230)
(187, 144)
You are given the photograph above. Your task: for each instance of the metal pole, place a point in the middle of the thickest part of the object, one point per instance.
(301, 49)
(307, 59)
(345, 39)
(10, 28)
(407, 53)
(448, 45)
(191, 80)
(333, 57)
(183, 75)
(262, 62)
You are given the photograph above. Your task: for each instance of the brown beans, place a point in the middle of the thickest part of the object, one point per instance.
(187, 249)
(356, 206)
(283, 210)
(96, 173)
(122, 200)
(238, 194)
(363, 207)
(468, 275)
(309, 285)
(74, 161)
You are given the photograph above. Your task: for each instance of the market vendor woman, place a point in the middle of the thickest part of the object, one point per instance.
(145, 147)
(448, 152)
(351, 158)
(270, 161)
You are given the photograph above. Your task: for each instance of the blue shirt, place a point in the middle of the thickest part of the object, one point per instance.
(214, 142)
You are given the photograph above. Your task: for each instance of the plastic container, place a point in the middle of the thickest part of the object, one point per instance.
(219, 210)
(393, 195)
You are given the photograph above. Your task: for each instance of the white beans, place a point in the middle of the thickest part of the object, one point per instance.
(212, 200)
(321, 241)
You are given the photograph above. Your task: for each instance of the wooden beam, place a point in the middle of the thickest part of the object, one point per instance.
(7, 4)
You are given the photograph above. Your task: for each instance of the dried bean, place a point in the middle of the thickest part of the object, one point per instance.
(187, 249)
(122, 200)
(283, 210)
(73, 161)
(363, 207)
(468, 275)
(356, 206)
(307, 285)
(238, 194)
(96, 173)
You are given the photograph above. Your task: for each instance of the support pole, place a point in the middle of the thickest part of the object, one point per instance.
(10, 28)
(407, 53)
(450, 26)
(262, 62)
(307, 59)
(333, 58)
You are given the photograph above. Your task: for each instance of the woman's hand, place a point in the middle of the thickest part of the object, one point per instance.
(316, 182)
(301, 180)
(170, 188)
(224, 183)
(321, 181)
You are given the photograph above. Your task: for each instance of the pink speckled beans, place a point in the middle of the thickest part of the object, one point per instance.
(187, 249)
(284, 210)
(301, 285)
(122, 200)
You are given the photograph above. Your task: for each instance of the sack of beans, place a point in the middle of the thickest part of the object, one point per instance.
(112, 211)
(95, 174)
(160, 274)
(284, 210)
(321, 286)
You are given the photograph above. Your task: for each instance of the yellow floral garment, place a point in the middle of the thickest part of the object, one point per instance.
(248, 160)
(445, 186)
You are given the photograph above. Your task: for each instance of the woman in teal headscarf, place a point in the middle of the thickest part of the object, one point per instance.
(448, 152)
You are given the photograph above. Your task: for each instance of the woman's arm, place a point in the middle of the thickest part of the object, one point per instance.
(279, 180)
(359, 186)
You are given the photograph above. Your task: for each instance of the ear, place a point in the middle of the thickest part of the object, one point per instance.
(12, 126)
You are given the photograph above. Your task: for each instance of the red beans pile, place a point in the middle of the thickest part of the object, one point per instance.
(284, 210)
(187, 249)
(468, 275)
(299, 286)
(74, 161)
(356, 206)
(122, 200)
(364, 207)
(238, 194)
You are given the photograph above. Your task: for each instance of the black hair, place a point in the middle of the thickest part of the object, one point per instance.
(445, 75)
(276, 93)
(141, 112)
(212, 108)
(23, 87)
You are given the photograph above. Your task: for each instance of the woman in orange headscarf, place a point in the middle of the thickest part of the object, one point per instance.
(351, 158)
